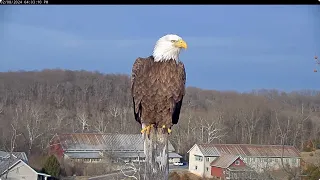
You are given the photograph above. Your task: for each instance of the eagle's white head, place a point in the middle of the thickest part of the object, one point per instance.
(168, 47)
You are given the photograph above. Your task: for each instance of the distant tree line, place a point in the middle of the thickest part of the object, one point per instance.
(36, 105)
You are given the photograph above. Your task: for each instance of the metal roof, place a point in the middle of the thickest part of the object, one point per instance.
(102, 142)
(97, 155)
(19, 155)
(141, 154)
(10, 162)
(84, 155)
(224, 161)
(241, 168)
(249, 150)
(174, 155)
(129, 154)
(3, 154)
(6, 163)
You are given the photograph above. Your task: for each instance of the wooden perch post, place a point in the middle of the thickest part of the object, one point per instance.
(157, 156)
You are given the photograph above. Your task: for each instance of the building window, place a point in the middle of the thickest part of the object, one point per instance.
(196, 167)
(198, 158)
(207, 169)
(294, 161)
(237, 162)
(208, 159)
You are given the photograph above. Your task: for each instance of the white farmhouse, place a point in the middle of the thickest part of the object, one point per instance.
(257, 157)
(15, 166)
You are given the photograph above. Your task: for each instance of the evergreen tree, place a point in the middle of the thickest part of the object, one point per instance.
(52, 166)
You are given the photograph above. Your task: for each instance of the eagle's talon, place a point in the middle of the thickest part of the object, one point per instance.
(163, 129)
(143, 130)
(149, 129)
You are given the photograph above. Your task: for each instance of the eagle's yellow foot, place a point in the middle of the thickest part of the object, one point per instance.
(168, 129)
(144, 129)
(147, 129)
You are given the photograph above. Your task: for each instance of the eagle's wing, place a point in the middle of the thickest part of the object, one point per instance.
(140, 66)
(178, 93)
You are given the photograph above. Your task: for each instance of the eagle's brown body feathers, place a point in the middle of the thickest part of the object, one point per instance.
(157, 90)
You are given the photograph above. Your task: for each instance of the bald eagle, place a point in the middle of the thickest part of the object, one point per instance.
(158, 85)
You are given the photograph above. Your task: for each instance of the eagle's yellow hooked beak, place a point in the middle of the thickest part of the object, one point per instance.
(181, 44)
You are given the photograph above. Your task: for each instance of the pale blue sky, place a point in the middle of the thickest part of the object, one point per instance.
(229, 47)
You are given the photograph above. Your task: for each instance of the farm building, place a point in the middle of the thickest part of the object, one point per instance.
(15, 166)
(229, 166)
(92, 147)
(257, 157)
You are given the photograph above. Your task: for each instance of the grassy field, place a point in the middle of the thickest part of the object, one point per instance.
(311, 157)
(185, 175)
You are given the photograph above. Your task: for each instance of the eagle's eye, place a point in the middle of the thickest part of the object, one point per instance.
(173, 41)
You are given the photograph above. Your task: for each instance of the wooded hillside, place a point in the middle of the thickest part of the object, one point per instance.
(36, 105)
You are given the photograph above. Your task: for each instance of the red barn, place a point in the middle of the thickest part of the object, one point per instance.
(229, 166)
(55, 147)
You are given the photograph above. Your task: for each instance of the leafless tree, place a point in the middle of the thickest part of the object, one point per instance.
(83, 119)
(213, 129)
(11, 158)
(61, 115)
(62, 101)
(100, 121)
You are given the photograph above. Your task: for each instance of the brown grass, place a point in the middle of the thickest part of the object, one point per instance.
(314, 159)
(185, 175)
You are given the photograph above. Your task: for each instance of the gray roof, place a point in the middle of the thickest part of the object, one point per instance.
(8, 163)
(5, 163)
(19, 155)
(83, 155)
(208, 150)
(3, 154)
(128, 154)
(224, 161)
(101, 142)
(97, 155)
(249, 150)
(174, 155)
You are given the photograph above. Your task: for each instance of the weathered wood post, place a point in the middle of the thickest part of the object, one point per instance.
(157, 156)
